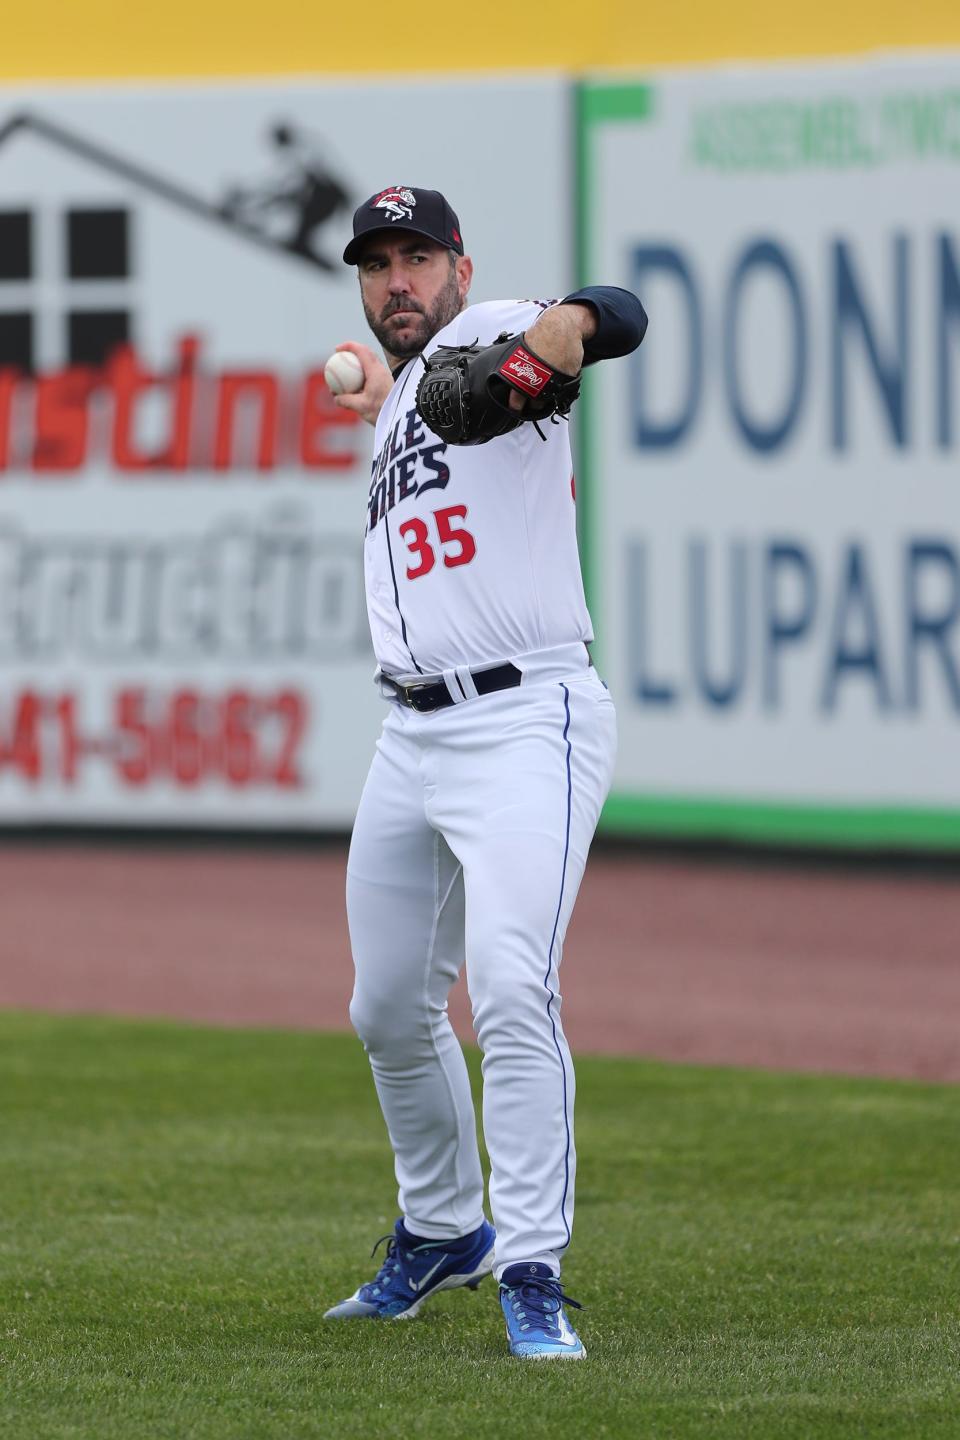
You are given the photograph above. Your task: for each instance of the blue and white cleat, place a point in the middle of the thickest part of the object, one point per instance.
(411, 1273)
(537, 1326)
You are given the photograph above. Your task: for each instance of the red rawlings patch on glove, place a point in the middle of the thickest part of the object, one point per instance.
(522, 370)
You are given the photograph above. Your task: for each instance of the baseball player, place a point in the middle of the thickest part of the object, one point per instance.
(494, 760)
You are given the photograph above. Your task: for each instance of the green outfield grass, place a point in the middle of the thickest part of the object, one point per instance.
(760, 1255)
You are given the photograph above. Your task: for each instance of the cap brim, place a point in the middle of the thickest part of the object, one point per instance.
(351, 253)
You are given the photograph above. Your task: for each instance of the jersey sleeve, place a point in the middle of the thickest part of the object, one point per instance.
(621, 321)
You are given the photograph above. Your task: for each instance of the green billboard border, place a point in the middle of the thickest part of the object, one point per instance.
(843, 827)
(859, 827)
(594, 104)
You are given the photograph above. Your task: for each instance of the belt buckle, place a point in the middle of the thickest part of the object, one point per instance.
(408, 696)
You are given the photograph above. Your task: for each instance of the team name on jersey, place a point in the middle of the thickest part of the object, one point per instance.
(393, 478)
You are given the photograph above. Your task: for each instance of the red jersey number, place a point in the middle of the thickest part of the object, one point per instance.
(415, 533)
(460, 536)
(462, 545)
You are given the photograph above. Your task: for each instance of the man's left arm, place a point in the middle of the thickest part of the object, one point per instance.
(598, 322)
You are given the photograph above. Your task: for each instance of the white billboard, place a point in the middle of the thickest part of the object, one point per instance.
(183, 637)
(774, 521)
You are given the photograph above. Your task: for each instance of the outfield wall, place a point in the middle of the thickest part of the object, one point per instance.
(768, 492)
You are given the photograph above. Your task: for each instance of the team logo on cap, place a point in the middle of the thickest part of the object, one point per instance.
(398, 202)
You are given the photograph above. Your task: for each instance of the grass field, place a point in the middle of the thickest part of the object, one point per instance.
(760, 1255)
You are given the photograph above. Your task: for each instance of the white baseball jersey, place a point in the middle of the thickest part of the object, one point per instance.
(471, 550)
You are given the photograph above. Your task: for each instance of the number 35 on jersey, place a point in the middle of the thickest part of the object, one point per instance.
(456, 545)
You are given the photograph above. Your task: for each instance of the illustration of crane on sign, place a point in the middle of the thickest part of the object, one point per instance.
(295, 206)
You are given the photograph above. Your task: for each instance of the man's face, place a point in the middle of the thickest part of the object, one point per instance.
(411, 287)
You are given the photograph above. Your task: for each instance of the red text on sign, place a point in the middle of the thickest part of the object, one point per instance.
(185, 737)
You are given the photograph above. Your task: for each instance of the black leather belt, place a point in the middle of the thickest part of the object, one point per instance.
(436, 696)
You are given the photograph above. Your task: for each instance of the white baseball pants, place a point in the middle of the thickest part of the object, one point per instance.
(470, 843)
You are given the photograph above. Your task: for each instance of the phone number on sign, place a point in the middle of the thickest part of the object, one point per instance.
(185, 737)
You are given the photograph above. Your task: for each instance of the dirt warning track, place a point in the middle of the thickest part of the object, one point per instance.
(799, 967)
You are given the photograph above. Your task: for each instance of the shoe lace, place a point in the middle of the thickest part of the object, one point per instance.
(538, 1302)
(390, 1271)
(391, 1277)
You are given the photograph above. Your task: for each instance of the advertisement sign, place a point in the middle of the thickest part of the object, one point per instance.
(183, 637)
(774, 523)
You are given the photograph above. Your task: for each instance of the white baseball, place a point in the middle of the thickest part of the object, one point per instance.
(343, 373)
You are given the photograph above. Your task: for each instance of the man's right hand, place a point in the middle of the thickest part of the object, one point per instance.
(377, 384)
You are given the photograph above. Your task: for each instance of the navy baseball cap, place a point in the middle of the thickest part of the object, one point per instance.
(402, 207)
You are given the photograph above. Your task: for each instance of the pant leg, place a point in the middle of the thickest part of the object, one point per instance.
(519, 807)
(405, 913)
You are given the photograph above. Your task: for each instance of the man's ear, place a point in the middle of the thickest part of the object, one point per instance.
(464, 275)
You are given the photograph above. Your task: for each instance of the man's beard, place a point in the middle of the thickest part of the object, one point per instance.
(444, 309)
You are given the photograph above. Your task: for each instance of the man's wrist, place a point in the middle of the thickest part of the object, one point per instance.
(583, 314)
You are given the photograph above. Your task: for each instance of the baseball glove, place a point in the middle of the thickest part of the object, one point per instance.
(464, 392)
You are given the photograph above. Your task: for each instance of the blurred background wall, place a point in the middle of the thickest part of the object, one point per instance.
(771, 528)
